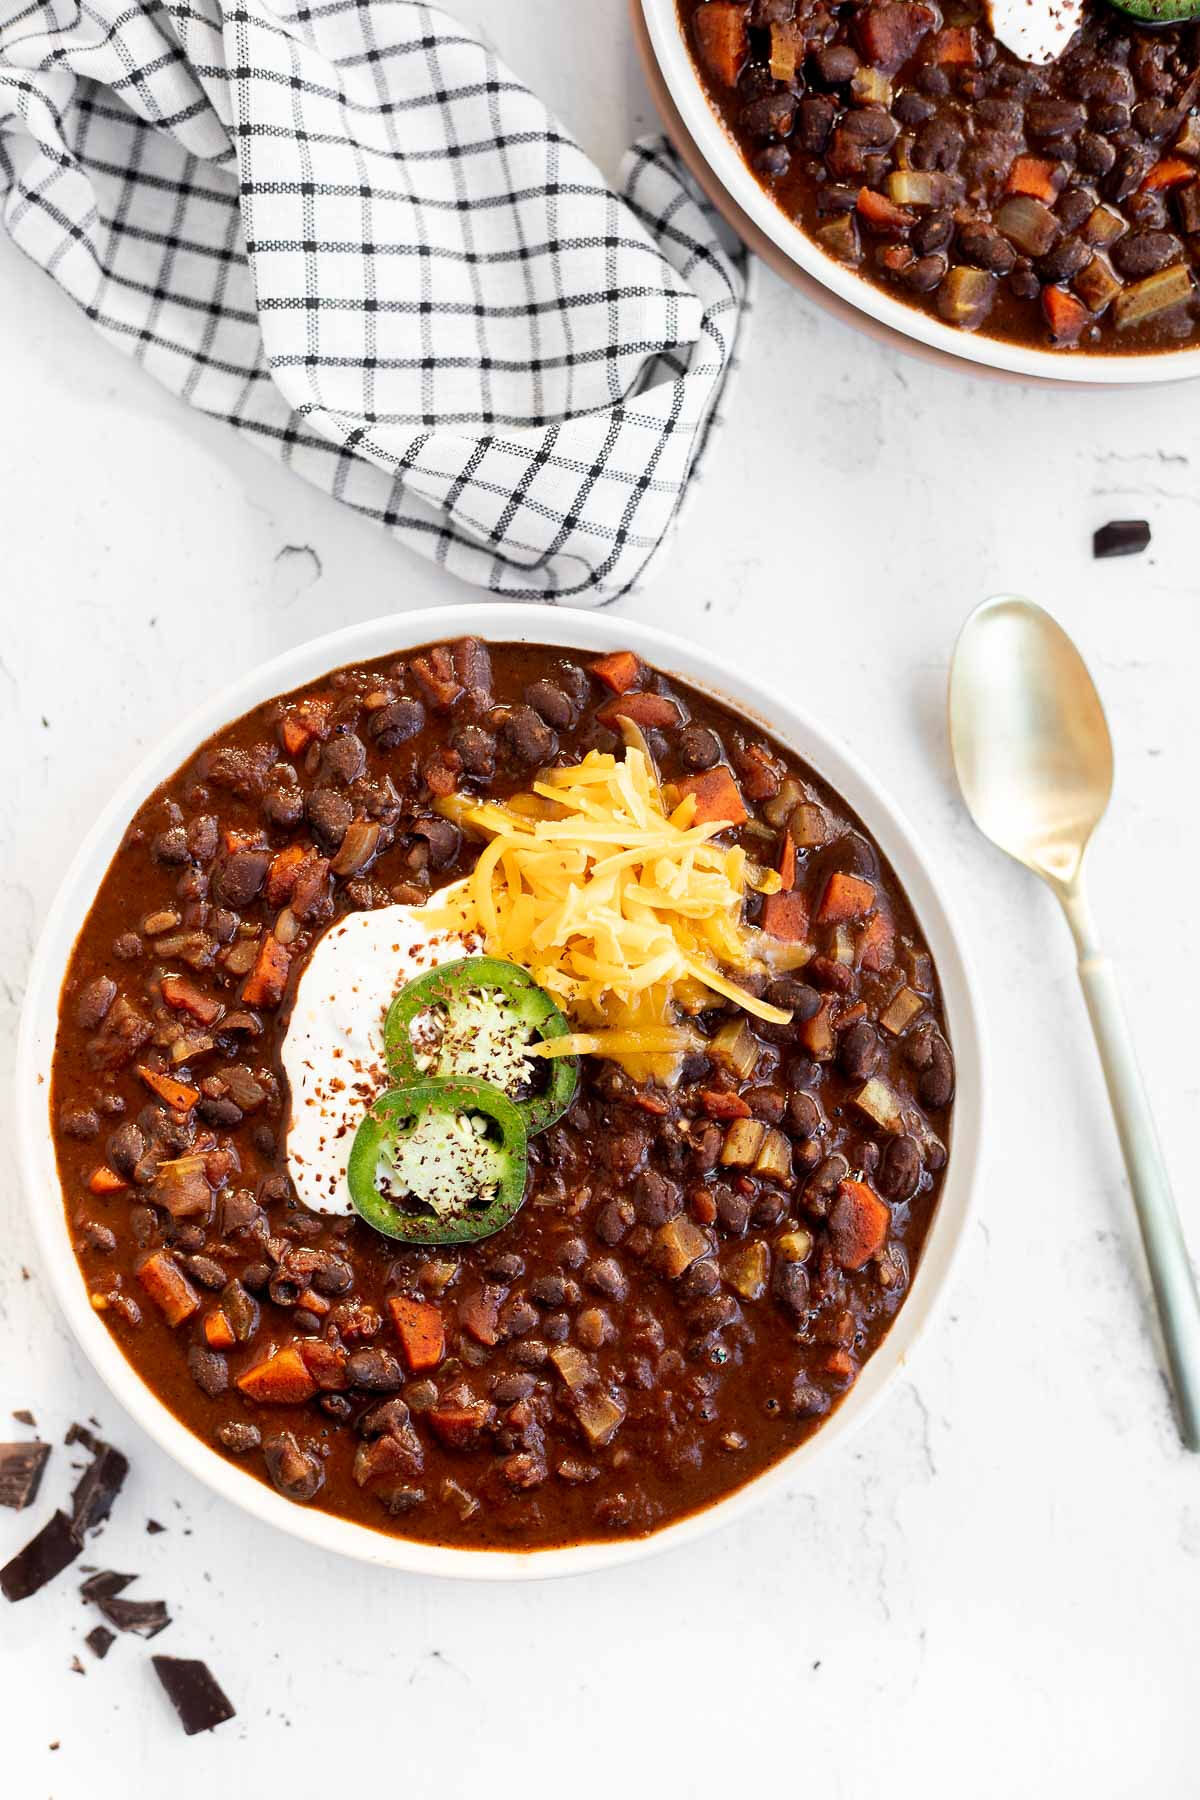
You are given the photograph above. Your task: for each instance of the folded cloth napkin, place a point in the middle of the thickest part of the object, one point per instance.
(348, 230)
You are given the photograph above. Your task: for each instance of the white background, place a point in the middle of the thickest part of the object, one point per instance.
(997, 1590)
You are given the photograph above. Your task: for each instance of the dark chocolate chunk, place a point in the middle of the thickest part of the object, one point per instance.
(104, 1584)
(21, 1468)
(100, 1640)
(98, 1486)
(44, 1556)
(23, 1416)
(153, 1527)
(193, 1693)
(77, 1667)
(146, 1618)
(79, 1434)
(1121, 537)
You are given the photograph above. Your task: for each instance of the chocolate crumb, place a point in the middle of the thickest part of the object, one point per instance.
(77, 1667)
(23, 1416)
(153, 1527)
(100, 1641)
(55, 1546)
(104, 1584)
(98, 1486)
(193, 1692)
(1121, 537)
(21, 1467)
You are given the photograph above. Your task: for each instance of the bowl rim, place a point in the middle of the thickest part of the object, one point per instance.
(397, 633)
(724, 158)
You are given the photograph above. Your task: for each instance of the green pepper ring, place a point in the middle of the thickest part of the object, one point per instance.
(1158, 12)
(531, 1004)
(400, 1105)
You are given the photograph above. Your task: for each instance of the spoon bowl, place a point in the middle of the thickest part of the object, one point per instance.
(1030, 741)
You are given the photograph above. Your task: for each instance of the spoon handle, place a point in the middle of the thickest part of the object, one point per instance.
(1171, 1270)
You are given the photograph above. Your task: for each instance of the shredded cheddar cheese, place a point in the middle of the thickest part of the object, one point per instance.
(628, 913)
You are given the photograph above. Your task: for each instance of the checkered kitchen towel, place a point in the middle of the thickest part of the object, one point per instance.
(348, 230)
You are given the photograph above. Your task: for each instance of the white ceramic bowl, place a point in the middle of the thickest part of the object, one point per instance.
(724, 159)
(543, 625)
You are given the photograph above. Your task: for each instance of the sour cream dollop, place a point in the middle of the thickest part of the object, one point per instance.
(333, 1053)
(1035, 31)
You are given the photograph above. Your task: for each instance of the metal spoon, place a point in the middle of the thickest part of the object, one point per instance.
(1034, 760)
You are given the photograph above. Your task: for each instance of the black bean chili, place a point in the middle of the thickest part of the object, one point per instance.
(1057, 206)
(697, 1274)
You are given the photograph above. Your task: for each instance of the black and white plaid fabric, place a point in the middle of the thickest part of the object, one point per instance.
(348, 230)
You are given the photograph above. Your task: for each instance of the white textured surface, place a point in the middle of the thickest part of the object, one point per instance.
(998, 1590)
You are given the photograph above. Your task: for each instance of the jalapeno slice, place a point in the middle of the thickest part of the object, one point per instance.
(1158, 12)
(439, 1162)
(474, 1019)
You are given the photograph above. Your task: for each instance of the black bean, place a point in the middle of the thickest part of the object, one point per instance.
(932, 233)
(208, 1370)
(1096, 155)
(900, 1169)
(1145, 253)
(99, 1237)
(396, 724)
(94, 1001)
(79, 1121)
(859, 1050)
(528, 736)
(836, 64)
(238, 877)
(802, 1001)
(344, 758)
(924, 274)
(206, 1271)
(477, 748)
(283, 801)
(772, 116)
(875, 129)
(1065, 260)
(170, 846)
(733, 1210)
(606, 1276)
(807, 1400)
(790, 1286)
(126, 1147)
(551, 704)
(656, 1198)
(330, 815)
(715, 1313)
(298, 1474)
(773, 161)
(938, 145)
(936, 1086)
(983, 246)
(376, 1370)
(1050, 119)
(817, 113)
(613, 1221)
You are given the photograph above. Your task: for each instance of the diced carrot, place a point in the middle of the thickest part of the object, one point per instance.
(845, 897)
(312, 1302)
(1171, 172)
(1035, 176)
(787, 862)
(858, 1224)
(306, 721)
(280, 1380)
(326, 1364)
(186, 997)
(654, 1104)
(620, 671)
(817, 1033)
(839, 1364)
(717, 797)
(881, 214)
(168, 1287)
(720, 1105)
(105, 1181)
(785, 916)
(282, 873)
(957, 44)
(177, 1094)
(478, 1313)
(877, 944)
(267, 980)
(457, 1426)
(646, 710)
(420, 1330)
(241, 840)
(721, 38)
(852, 1014)
(1065, 315)
(218, 1332)
(702, 1206)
